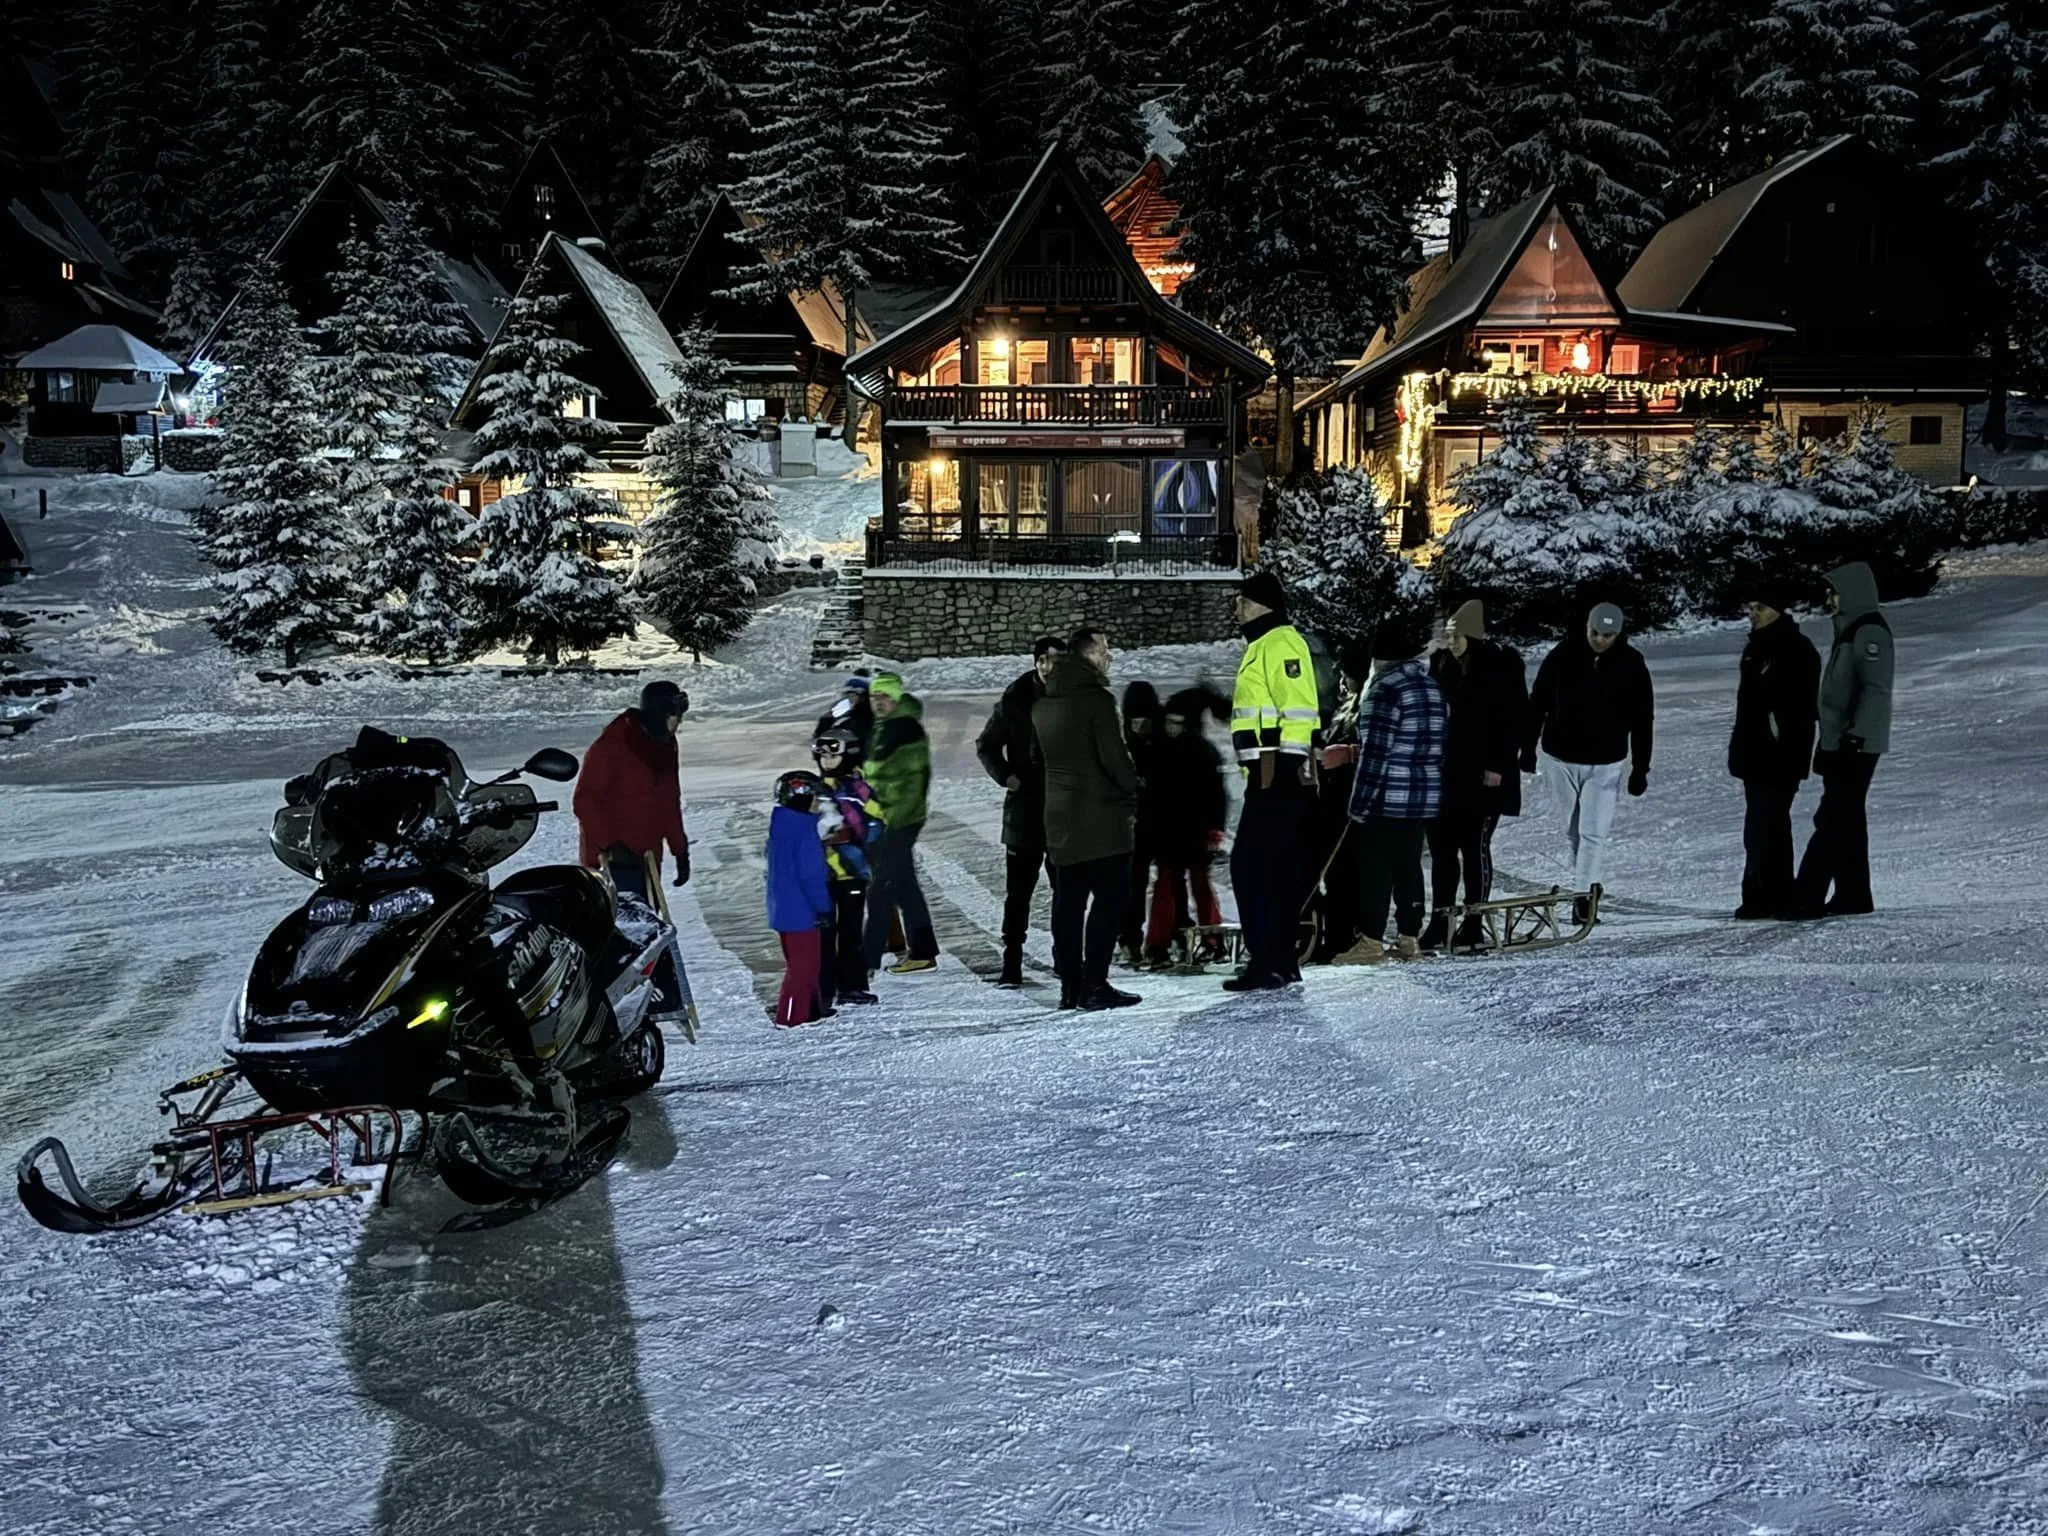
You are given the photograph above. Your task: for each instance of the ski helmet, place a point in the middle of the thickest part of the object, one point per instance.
(798, 789)
(835, 743)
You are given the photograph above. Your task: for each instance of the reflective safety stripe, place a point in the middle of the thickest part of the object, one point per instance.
(1301, 714)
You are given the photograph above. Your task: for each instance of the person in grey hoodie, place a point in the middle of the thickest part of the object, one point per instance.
(1855, 730)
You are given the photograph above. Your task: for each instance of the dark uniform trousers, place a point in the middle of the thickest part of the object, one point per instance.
(1839, 853)
(1265, 869)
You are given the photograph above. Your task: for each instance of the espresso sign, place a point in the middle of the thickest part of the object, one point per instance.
(1104, 442)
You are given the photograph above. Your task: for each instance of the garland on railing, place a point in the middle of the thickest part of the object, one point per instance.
(1508, 386)
(1415, 411)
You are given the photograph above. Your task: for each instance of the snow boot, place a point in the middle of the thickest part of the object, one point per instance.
(1367, 951)
(1471, 936)
(1158, 957)
(1438, 933)
(852, 999)
(1106, 996)
(1406, 947)
(1254, 981)
(1070, 996)
(1853, 906)
(1013, 968)
(912, 966)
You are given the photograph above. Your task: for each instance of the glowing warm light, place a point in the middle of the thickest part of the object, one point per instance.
(1415, 411)
(1582, 356)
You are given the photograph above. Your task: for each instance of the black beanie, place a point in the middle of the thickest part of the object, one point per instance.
(1395, 640)
(1774, 592)
(1264, 588)
(660, 701)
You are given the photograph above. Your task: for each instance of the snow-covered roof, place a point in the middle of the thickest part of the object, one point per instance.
(632, 320)
(706, 267)
(114, 398)
(1672, 265)
(866, 368)
(104, 348)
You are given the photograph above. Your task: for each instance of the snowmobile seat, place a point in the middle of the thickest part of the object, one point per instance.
(576, 901)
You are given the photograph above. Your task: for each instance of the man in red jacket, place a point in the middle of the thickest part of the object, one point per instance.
(630, 794)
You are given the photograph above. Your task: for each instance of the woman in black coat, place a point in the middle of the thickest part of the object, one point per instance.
(1486, 696)
(1144, 727)
(1190, 809)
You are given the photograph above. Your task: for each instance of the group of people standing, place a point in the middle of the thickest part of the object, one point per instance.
(1123, 809)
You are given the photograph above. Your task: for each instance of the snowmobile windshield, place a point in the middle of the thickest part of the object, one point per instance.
(385, 821)
(497, 821)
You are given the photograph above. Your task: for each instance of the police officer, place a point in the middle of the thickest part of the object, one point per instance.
(1273, 721)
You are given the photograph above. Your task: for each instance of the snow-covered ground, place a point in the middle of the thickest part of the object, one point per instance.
(1696, 1228)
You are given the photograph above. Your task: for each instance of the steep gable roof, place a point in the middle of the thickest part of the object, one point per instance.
(1055, 169)
(478, 295)
(544, 166)
(1674, 263)
(630, 321)
(708, 268)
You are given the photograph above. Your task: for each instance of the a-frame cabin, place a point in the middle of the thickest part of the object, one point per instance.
(543, 201)
(626, 359)
(307, 257)
(1522, 313)
(787, 352)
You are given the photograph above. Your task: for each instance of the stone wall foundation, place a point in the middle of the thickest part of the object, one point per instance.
(910, 615)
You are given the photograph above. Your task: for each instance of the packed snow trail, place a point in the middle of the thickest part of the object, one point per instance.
(1696, 1227)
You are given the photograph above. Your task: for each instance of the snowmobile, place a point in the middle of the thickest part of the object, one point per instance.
(507, 1023)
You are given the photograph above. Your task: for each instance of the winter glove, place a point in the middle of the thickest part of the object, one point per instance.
(683, 865)
(1529, 761)
(1638, 782)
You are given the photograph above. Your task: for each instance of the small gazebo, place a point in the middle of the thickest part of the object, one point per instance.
(97, 382)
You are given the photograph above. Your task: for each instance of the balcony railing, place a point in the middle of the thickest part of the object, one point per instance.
(1156, 554)
(1469, 395)
(1056, 405)
(1058, 285)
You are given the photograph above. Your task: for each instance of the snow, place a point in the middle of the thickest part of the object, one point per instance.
(1698, 1227)
(639, 329)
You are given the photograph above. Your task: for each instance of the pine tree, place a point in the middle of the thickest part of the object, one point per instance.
(251, 168)
(847, 178)
(1299, 184)
(1093, 107)
(1571, 117)
(699, 127)
(388, 91)
(712, 527)
(1829, 67)
(995, 54)
(353, 386)
(1706, 58)
(1740, 461)
(277, 535)
(537, 585)
(194, 299)
(1992, 128)
(1785, 457)
(1447, 68)
(127, 77)
(1331, 554)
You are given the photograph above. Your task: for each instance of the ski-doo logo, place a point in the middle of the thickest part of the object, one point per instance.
(533, 948)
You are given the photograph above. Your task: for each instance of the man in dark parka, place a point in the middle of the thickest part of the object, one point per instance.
(1091, 804)
(1486, 692)
(1776, 713)
(1008, 750)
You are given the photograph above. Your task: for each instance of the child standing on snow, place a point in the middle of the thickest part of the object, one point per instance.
(847, 816)
(799, 901)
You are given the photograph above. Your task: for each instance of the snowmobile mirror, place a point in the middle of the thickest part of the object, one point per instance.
(551, 763)
(300, 790)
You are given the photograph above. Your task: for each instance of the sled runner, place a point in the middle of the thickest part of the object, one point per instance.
(1525, 922)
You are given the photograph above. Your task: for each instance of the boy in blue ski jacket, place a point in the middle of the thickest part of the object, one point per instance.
(848, 817)
(799, 898)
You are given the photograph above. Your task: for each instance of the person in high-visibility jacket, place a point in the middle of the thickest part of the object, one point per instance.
(1273, 720)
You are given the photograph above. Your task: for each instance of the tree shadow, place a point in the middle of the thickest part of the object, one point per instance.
(504, 1363)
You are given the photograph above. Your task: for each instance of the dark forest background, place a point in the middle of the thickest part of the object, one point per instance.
(1322, 141)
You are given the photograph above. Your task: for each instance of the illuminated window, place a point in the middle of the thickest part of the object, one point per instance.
(69, 271)
(1106, 359)
(928, 499)
(1002, 360)
(580, 407)
(1625, 358)
(1186, 496)
(544, 200)
(1015, 499)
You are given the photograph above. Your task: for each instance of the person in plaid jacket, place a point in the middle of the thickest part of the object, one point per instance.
(1398, 788)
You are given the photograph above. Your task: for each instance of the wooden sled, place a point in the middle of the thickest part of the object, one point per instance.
(1525, 922)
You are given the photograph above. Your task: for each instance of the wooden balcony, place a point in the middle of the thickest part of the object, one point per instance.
(1470, 397)
(1058, 285)
(1055, 405)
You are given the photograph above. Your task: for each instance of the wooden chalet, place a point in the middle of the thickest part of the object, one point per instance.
(307, 255)
(1838, 244)
(543, 201)
(1055, 409)
(1143, 214)
(56, 271)
(787, 353)
(626, 358)
(1522, 314)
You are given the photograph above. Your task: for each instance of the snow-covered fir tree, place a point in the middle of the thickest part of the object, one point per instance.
(1784, 456)
(694, 56)
(1741, 463)
(1991, 122)
(1299, 182)
(1575, 114)
(353, 384)
(848, 174)
(276, 533)
(995, 48)
(412, 573)
(193, 300)
(390, 90)
(251, 168)
(1881, 512)
(132, 64)
(1092, 107)
(1706, 52)
(1330, 550)
(537, 585)
(1825, 67)
(1447, 66)
(1541, 548)
(713, 528)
